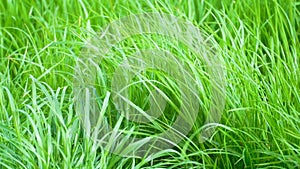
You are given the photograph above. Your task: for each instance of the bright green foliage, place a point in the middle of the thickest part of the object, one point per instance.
(39, 44)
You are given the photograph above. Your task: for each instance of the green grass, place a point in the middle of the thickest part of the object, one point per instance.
(40, 42)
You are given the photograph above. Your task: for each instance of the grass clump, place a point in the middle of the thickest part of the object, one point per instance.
(39, 45)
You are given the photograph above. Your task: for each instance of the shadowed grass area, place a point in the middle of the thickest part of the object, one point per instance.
(39, 45)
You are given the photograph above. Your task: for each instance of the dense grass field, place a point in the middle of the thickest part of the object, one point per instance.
(258, 41)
